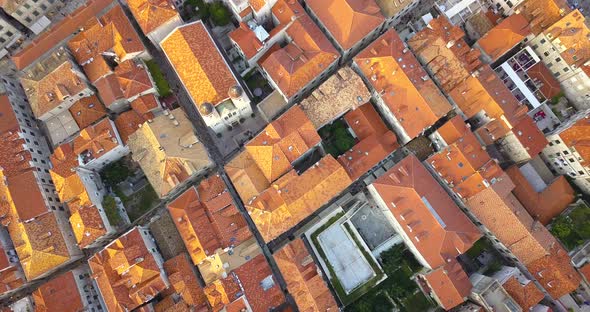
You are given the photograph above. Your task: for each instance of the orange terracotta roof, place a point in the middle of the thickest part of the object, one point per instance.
(530, 136)
(97, 139)
(368, 153)
(269, 155)
(184, 282)
(504, 216)
(251, 276)
(133, 78)
(348, 21)
(151, 14)
(526, 296)
(126, 273)
(257, 5)
(547, 204)
(109, 89)
(112, 32)
(505, 36)
(450, 284)
(555, 272)
(285, 11)
(303, 280)
(87, 110)
(403, 84)
(487, 93)
(86, 222)
(128, 122)
(573, 34)
(549, 85)
(294, 197)
(48, 92)
(577, 136)
(436, 226)
(447, 55)
(207, 225)
(246, 39)
(14, 156)
(543, 13)
(10, 278)
(585, 271)
(303, 59)
(26, 194)
(199, 64)
(68, 184)
(365, 121)
(145, 104)
(58, 294)
(452, 130)
(59, 32)
(466, 166)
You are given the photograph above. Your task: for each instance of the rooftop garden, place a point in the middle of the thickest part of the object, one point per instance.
(398, 290)
(573, 228)
(161, 82)
(336, 138)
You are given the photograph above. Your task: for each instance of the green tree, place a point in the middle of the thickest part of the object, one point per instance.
(115, 173)
(219, 14)
(110, 207)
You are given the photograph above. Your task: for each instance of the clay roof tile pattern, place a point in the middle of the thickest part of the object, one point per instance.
(302, 60)
(127, 273)
(450, 284)
(526, 296)
(402, 83)
(97, 139)
(304, 282)
(348, 21)
(128, 122)
(572, 35)
(504, 36)
(198, 63)
(247, 40)
(58, 294)
(151, 14)
(437, 227)
(184, 282)
(548, 203)
(577, 136)
(87, 111)
(541, 14)
(260, 288)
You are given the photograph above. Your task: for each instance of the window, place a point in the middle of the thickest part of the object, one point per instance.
(543, 41)
(572, 160)
(566, 152)
(546, 53)
(580, 172)
(558, 59)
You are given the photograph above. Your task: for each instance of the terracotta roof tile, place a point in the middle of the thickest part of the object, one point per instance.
(348, 21)
(48, 92)
(544, 205)
(59, 32)
(109, 89)
(128, 122)
(145, 104)
(207, 224)
(438, 229)
(87, 111)
(555, 272)
(133, 77)
(549, 85)
(577, 136)
(303, 59)
(199, 64)
(450, 284)
(112, 32)
(271, 152)
(303, 280)
(126, 273)
(526, 296)
(87, 224)
(11, 278)
(151, 14)
(403, 84)
(453, 130)
(365, 121)
(466, 166)
(368, 153)
(14, 156)
(96, 140)
(530, 136)
(343, 91)
(572, 35)
(257, 5)
(58, 294)
(294, 197)
(246, 39)
(259, 285)
(543, 13)
(184, 282)
(26, 194)
(503, 37)
(585, 271)
(447, 55)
